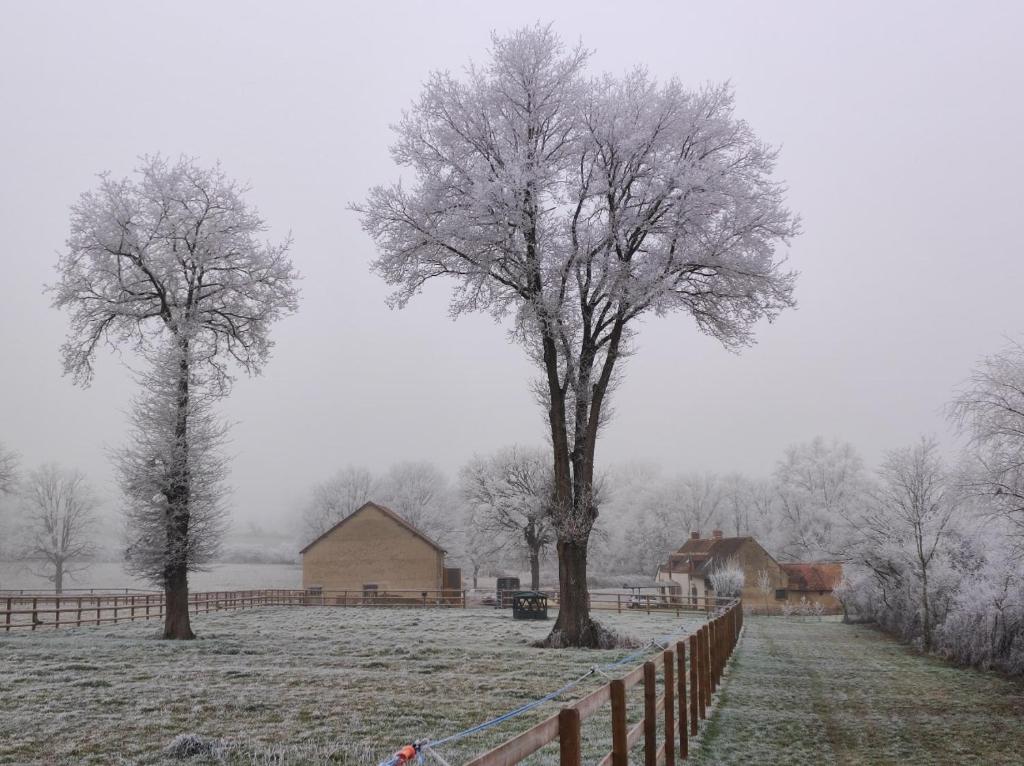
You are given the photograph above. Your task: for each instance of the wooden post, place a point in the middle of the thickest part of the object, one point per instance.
(694, 683)
(620, 754)
(684, 745)
(147, 606)
(35, 617)
(56, 612)
(78, 616)
(669, 658)
(569, 737)
(618, 602)
(115, 609)
(650, 713)
(702, 672)
(712, 657)
(7, 618)
(97, 610)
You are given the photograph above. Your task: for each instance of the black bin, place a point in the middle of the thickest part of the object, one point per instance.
(507, 586)
(529, 605)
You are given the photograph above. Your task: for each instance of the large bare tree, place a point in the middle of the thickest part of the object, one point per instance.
(579, 206)
(156, 462)
(911, 516)
(989, 409)
(336, 498)
(8, 470)
(510, 493)
(60, 519)
(173, 264)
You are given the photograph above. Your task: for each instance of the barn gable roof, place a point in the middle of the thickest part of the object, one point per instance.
(387, 512)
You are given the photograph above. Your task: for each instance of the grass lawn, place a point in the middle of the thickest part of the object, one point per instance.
(827, 693)
(288, 685)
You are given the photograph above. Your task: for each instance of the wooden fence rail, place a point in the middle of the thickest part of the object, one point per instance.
(32, 611)
(669, 719)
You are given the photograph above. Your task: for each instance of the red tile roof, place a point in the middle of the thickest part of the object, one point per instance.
(814, 576)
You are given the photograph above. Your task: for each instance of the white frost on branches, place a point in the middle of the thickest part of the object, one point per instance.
(577, 205)
(59, 515)
(727, 579)
(157, 461)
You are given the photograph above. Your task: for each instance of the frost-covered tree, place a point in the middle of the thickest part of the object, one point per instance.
(174, 258)
(59, 516)
(910, 520)
(419, 492)
(821, 486)
(8, 470)
(510, 493)
(478, 546)
(158, 460)
(578, 206)
(989, 408)
(336, 498)
(727, 579)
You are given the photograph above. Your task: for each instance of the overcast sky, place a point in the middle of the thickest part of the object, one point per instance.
(900, 126)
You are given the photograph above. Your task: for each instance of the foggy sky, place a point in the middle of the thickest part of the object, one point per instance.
(899, 124)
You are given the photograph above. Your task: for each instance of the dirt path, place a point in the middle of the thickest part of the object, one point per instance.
(826, 693)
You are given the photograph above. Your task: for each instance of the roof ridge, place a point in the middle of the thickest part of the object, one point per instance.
(387, 512)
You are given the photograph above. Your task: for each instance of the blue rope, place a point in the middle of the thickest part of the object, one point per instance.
(433, 743)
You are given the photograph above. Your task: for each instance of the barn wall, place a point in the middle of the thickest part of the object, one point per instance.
(371, 547)
(754, 559)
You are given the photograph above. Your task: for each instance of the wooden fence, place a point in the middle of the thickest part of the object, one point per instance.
(690, 670)
(32, 611)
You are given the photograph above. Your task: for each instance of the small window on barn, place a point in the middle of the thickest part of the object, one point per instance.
(780, 594)
(315, 590)
(370, 589)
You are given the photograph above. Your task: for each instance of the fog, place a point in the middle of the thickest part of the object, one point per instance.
(898, 127)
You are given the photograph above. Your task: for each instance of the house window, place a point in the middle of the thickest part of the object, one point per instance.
(780, 594)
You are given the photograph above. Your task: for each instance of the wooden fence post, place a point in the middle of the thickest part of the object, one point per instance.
(620, 753)
(669, 658)
(681, 695)
(56, 612)
(694, 684)
(78, 616)
(569, 737)
(97, 610)
(7, 618)
(650, 714)
(702, 672)
(35, 617)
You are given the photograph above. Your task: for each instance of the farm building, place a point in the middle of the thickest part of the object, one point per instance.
(766, 583)
(375, 551)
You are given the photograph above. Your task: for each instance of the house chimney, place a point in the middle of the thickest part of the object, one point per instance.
(695, 535)
(717, 534)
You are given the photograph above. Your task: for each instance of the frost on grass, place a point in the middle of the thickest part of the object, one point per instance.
(190, 745)
(809, 692)
(290, 685)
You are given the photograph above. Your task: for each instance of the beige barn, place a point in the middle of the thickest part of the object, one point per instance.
(371, 551)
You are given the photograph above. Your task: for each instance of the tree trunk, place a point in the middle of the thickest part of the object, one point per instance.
(176, 618)
(574, 627)
(58, 577)
(177, 624)
(535, 569)
(476, 571)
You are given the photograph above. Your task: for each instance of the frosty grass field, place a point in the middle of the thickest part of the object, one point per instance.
(819, 693)
(330, 685)
(287, 685)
